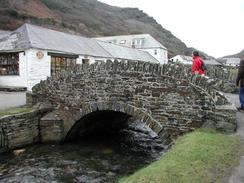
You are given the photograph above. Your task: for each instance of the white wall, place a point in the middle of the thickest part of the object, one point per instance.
(161, 56)
(31, 70)
(232, 61)
(19, 80)
(179, 59)
(91, 59)
(38, 69)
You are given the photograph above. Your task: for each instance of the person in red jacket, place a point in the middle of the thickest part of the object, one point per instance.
(196, 67)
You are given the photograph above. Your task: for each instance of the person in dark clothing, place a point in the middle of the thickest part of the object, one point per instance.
(240, 82)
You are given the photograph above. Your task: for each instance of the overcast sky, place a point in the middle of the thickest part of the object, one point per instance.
(213, 26)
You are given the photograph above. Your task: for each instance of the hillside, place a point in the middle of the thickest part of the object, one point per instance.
(89, 18)
(238, 55)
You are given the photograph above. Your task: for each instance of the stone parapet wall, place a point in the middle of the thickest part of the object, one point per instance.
(227, 74)
(225, 118)
(180, 72)
(224, 77)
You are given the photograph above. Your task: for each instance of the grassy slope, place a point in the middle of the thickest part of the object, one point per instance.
(15, 110)
(201, 156)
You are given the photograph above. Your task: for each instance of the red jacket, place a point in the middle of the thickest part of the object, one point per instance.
(196, 65)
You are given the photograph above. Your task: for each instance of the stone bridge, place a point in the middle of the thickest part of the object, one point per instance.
(167, 98)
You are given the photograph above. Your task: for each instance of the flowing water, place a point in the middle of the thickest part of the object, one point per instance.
(91, 160)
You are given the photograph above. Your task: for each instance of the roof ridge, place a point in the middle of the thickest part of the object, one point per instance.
(125, 35)
(49, 29)
(27, 33)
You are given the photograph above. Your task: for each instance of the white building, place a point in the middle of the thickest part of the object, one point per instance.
(32, 53)
(182, 59)
(143, 42)
(231, 61)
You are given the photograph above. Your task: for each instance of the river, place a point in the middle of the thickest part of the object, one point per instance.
(93, 159)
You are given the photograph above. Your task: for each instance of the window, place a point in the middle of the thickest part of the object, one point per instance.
(155, 52)
(122, 42)
(59, 63)
(112, 41)
(138, 41)
(9, 64)
(85, 61)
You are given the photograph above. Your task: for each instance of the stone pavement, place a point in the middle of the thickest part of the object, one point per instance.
(238, 175)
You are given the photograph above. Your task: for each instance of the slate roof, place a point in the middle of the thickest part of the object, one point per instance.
(31, 36)
(3, 33)
(147, 40)
(211, 62)
(126, 53)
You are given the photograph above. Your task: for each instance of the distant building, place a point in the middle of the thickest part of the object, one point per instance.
(212, 62)
(32, 53)
(230, 61)
(143, 42)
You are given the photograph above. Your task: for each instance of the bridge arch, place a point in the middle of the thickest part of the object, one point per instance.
(72, 115)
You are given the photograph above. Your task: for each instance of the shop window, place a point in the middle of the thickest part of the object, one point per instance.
(9, 64)
(59, 63)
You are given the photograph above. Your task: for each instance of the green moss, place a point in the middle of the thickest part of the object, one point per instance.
(15, 110)
(200, 156)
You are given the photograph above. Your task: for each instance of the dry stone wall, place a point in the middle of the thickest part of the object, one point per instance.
(224, 77)
(21, 129)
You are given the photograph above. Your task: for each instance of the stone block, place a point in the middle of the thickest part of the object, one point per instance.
(51, 128)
